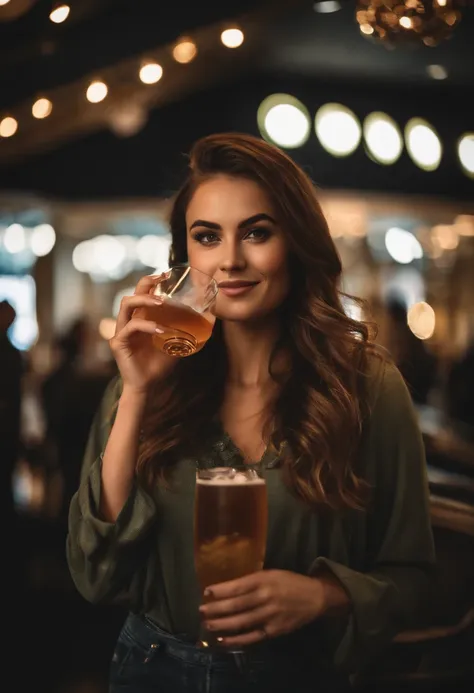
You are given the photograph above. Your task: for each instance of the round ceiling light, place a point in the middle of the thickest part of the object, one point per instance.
(466, 153)
(284, 120)
(423, 144)
(338, 129)
(383, 138)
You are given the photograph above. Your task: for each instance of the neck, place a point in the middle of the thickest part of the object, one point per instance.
(249, 349)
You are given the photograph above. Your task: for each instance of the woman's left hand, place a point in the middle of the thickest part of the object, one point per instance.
(265, 604)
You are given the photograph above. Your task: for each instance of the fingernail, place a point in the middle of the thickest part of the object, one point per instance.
(158, 299)
(207, 592)
(220, 640)
(159, 331)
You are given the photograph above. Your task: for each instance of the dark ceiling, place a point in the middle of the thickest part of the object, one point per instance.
(293, 48)
(330, 45)
(36, 55)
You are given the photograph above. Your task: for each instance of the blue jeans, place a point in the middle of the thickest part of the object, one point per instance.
(149, 660)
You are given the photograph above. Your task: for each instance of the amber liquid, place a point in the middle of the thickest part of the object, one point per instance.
(186, 330)
(230, 530)
(230, 533)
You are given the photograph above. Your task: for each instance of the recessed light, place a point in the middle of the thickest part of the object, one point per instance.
(437, 71)
(327, 6)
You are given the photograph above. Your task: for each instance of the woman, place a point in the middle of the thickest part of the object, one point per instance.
(286, 379)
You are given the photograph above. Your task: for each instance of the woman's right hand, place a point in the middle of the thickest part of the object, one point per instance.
(140, 363)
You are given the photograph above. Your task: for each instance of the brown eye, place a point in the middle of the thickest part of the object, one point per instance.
(258, 234)
(206, 237)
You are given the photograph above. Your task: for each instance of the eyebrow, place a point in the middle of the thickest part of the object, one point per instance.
(243, 224)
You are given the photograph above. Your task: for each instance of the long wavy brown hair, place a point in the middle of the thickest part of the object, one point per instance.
(316, 420)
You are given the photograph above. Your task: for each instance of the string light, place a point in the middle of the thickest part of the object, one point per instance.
(151, 73)
(60, 14)
(185, 51)
(8, 127)
(96, 91)
(232, 38)
(41, 108)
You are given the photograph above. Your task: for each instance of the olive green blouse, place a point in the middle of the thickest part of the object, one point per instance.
(383, 557)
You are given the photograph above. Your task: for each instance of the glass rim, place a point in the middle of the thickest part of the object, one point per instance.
(182, 265)
(250, 467)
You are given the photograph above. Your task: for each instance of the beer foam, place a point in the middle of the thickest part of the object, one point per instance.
(238, 480)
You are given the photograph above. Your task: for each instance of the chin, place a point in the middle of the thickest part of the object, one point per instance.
(243, 313)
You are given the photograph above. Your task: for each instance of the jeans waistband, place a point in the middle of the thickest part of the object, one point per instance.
(301, 649)
(150, 636)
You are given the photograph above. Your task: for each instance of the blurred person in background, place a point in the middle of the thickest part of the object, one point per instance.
(11, 376)
(416, 363)
(459, 395)
(287, 381)
(70, 395)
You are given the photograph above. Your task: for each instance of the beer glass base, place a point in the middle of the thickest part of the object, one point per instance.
(179, 346)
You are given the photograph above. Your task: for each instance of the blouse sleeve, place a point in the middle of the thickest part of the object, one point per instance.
(102, 555)
(399, 546)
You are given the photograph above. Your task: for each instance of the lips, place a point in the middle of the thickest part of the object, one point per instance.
(238, 284)
(237, 287)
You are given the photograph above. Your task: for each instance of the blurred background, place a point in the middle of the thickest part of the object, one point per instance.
(100, 100)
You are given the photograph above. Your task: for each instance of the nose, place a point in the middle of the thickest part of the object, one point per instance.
(232, 258)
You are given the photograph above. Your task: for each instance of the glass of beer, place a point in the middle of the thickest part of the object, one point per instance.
(230, 526)
(185, 312)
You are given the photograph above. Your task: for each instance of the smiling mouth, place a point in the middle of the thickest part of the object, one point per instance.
(236, 288)
(237, 284)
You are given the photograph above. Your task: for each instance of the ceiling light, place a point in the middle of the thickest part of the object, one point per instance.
(232, 38)
(96, 91)
(60, 14)
(466, 153)
(327, 6)
(437, 71)
(423, 144)
(382, 138)
(41, 108)
(8, 126)
(284, 121)
(185, 51)
(151, 73)
(338, 129)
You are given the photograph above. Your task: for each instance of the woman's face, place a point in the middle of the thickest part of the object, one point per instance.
(233, 235)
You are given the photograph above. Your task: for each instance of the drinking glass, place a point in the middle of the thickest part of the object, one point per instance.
(230, 526)
(185, 312)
